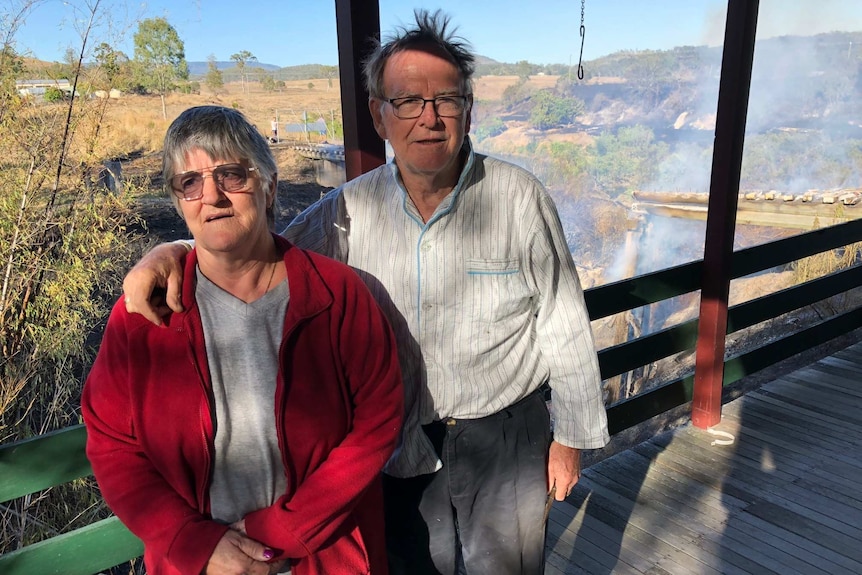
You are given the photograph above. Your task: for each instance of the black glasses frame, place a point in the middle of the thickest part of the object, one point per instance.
(398, 103)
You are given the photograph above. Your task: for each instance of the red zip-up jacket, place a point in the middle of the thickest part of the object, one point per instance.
(149, 414)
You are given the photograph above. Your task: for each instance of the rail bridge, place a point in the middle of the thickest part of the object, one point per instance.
(328, 162)
(805, 211)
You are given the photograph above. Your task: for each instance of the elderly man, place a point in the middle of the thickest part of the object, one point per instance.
(466, 255)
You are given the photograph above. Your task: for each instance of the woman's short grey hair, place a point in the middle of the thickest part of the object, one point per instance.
(222, 133)
(432, 31)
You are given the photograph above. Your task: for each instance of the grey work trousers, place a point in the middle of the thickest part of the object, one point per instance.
(483, 512)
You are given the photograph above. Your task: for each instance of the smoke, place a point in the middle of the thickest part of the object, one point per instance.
(806, 18)
(658, 243)
(788, 18)
(686, 169)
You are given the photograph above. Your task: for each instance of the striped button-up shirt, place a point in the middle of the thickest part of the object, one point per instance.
(484, 298)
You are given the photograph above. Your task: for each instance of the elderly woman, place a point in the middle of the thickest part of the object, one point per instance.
(247, 434)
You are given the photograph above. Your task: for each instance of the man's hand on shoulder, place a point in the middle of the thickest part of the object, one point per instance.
(153, 287)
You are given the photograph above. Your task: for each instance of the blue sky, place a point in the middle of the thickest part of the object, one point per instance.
(291, 32)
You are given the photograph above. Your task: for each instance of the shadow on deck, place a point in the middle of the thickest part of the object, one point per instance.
(776, 491)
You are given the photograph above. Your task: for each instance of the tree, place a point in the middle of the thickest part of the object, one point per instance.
(241, 58)
(214, 79)
(652, 78)
(112, 68)
(330, 73)
(551, 110)
(11, 67)
(523, 69)
(160, 56)
(627, 160)
(268, 83)
(54, 94)
(492, 126)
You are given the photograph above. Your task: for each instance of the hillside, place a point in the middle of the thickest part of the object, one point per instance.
(797, 83)
(197, 68)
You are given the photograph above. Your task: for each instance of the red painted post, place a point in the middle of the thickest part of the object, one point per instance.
(357, 21)
(737, 58)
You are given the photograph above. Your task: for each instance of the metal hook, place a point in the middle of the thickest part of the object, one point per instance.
(581, 55)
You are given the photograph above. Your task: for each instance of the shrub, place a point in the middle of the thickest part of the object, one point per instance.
(551, 110)
(54, 94)
(488, 129)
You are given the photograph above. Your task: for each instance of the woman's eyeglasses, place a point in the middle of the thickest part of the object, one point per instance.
(229, 178)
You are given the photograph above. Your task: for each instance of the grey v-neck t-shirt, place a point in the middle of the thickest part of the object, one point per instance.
(242, 342)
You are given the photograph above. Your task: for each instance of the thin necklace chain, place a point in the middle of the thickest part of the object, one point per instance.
(271, 274)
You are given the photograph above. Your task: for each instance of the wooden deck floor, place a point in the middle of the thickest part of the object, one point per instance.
(784, 497)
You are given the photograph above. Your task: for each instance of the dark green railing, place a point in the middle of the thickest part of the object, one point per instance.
(665, 284)
(43, 462)
(53, 459)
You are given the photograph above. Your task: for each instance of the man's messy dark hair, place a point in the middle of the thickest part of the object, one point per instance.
(432, 32)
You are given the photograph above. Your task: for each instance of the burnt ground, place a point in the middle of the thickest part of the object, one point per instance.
(159, 221)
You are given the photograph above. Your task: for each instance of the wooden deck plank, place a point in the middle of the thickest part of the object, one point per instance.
(843, 380)
(745, 484)
(798, 442)
(791, 412)
(762, 443)
(830, 561)
(808, 527)
(803, 399)
(742, 534)
(634, 535)
(711, 524)
(631, 551)
(683, 512)
(588, 550)
(794, 415)
(680, 539)
(751, 459)
(831, 480)
(783, 498)
(756, 409)
(589, 546)
(761, 547)
(755, 456)
(811, 384)
(671, 480)
(809, 437)
(848, 364)
(794, 392)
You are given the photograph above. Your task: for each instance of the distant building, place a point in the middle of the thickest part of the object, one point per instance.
(38, 87)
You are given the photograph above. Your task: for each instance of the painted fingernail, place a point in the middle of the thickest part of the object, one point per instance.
(268, 554)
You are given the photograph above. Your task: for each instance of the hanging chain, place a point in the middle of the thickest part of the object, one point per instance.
(583, 35)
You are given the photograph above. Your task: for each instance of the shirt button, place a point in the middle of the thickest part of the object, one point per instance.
(426, 246)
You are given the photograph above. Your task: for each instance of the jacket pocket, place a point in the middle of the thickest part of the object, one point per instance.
(347, 555)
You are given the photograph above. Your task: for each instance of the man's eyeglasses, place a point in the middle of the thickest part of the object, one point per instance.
(445, 106)
(230, 178)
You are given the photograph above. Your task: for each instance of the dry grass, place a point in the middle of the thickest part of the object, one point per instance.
(135, 123)
(491, 88)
